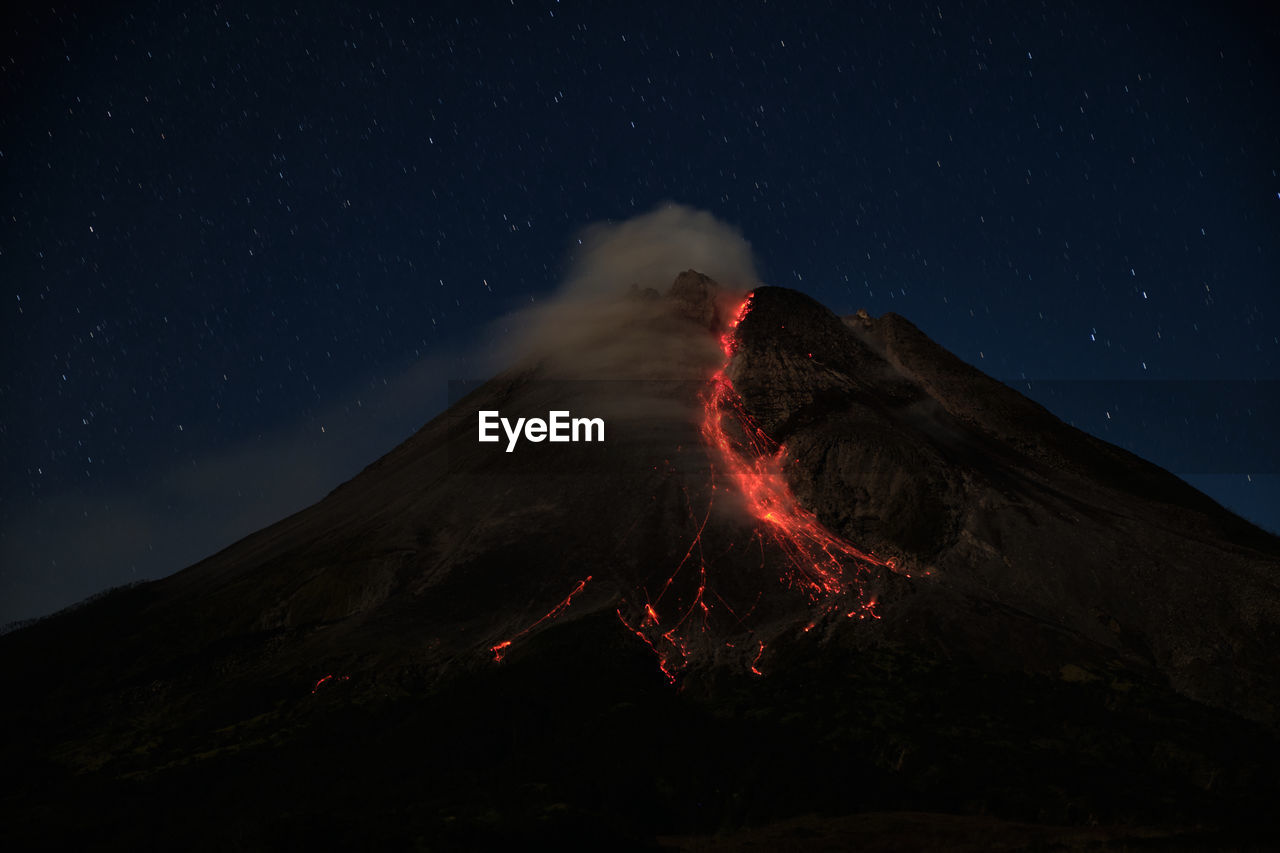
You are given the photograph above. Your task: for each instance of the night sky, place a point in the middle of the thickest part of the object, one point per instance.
(245, 246)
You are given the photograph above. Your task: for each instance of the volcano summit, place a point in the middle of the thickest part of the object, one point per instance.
(824, 581)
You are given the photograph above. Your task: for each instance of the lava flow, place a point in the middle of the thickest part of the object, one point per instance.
(816, 558)
(814, 561)
(500, 649)
(327, 679)
(828, 571)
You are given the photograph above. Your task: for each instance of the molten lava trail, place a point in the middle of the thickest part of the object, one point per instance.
(826, 569)
(328, 679)
(500, 650)
(816, 558)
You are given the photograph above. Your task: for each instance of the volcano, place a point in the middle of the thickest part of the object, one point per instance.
(822, 583)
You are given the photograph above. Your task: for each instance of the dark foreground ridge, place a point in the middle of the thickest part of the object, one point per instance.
(1049, 643)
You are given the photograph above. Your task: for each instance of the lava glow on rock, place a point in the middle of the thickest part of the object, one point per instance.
(500, 649)
(328, 679)
(827, 571)
(816, 558)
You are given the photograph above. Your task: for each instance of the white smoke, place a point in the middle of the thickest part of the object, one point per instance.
(652, 249)
(606, 319)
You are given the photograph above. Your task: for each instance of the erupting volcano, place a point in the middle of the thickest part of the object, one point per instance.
(874, 580)
(816, 559)
(827, 570)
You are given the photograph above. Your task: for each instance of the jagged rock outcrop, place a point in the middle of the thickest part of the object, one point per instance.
(697, 297)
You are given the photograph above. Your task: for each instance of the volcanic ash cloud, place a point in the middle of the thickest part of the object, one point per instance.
(614, 318)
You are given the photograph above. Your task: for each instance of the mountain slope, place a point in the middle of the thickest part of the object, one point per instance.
(1006, 504)
(817, 566)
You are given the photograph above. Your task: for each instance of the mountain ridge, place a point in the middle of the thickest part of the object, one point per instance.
(792, 516)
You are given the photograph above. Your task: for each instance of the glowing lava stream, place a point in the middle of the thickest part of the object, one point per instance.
(816, 556)
(815, 559)
(500, 650)
(328, 678)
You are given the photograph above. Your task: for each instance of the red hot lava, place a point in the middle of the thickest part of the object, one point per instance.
(816, 558)
(826, 569)
(500, 650)
(815, 561)
(327, 679)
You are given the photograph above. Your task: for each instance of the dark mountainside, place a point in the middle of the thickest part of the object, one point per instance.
(1029, 639)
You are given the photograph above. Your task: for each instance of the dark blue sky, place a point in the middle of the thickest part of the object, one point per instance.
(244, 246)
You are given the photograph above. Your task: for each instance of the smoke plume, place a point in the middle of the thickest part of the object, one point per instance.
(613, 318)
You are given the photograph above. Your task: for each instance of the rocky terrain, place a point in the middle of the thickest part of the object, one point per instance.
(997, 632)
